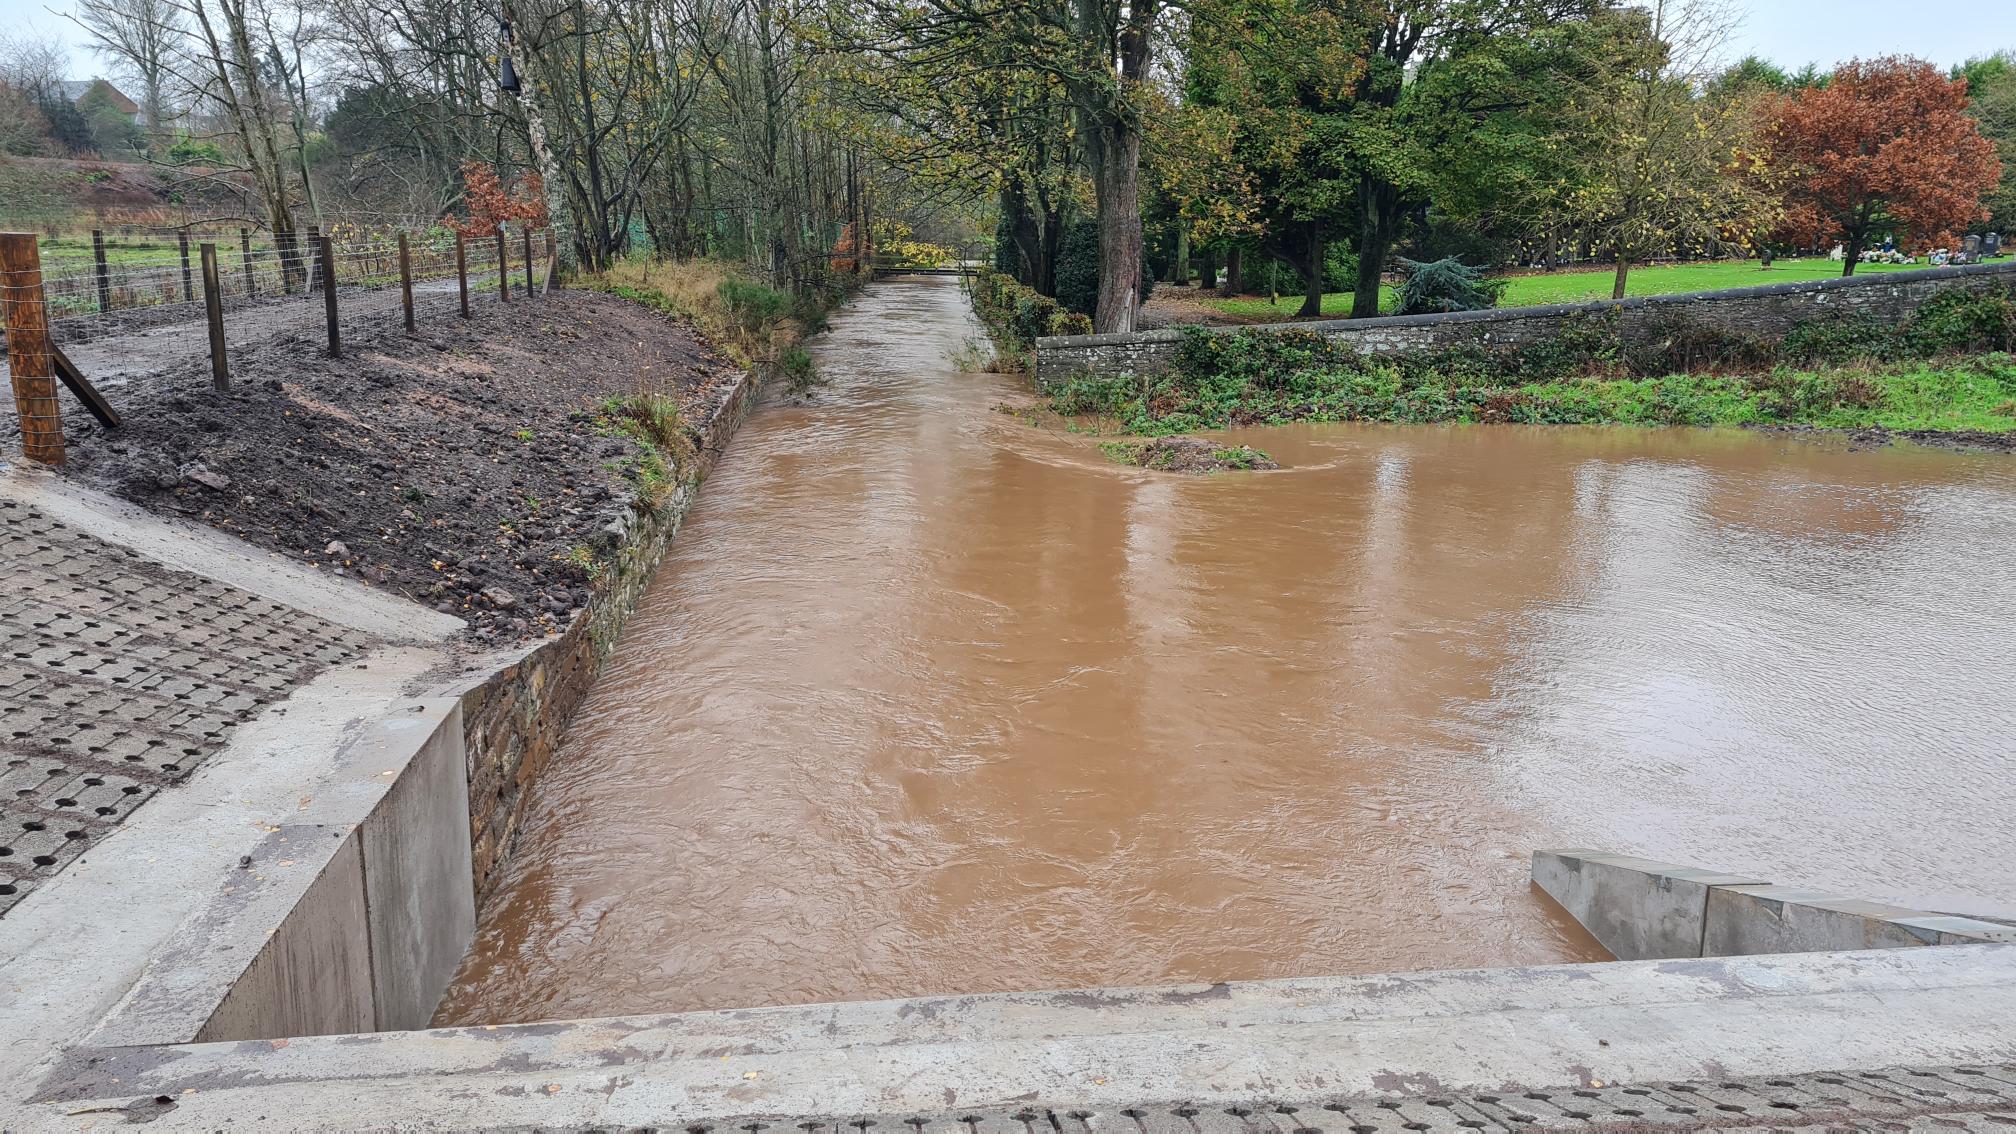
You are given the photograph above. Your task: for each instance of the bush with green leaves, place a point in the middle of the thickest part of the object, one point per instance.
(751, 304)
(1078, 267)
(1446, 285)
(1959, 320)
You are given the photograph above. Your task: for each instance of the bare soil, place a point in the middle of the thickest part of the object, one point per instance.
(469, 467)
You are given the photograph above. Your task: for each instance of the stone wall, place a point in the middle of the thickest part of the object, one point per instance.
(1769, 311)
(514, 718)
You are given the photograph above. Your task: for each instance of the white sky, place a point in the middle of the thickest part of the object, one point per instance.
(1788, 32)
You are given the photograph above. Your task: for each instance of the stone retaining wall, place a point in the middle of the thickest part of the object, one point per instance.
(513, 719)
(1769, 311)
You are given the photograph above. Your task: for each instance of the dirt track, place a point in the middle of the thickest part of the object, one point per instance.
(463, 466)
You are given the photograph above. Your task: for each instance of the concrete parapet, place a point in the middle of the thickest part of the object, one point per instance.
(1640, 909)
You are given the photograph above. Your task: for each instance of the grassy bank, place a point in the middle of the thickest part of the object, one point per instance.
(1947, 370)
(1583, 286)
(754, 325)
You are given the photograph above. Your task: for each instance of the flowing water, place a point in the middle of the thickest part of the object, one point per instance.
(929, 699)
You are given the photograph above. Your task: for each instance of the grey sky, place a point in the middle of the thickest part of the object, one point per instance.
(1788, 32)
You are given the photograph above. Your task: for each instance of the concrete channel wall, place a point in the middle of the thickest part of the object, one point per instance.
(1645, 910)
(353, 915)
(1769, 311)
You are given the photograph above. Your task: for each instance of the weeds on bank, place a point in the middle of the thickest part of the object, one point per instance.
(1945, 369)
(754, 325)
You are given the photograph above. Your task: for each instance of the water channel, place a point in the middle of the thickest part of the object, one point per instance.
(929, 699)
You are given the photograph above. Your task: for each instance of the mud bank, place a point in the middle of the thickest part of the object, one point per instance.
(471, 467)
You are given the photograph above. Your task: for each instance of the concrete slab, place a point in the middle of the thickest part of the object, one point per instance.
(1636, 908)
(1563, 1029)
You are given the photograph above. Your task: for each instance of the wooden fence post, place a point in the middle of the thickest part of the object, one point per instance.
(104, 273)
(406, 280)
(213, 312)
(188, 285)
(503, 268)
(28, 348)
(245, 260)
(462, 271)
(527, 233)
(552, 258)
(328, 249)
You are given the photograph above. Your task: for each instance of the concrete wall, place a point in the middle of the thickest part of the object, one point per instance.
(1645, 910)
(516, 714)
(352, 914)
(1769, 311)
(350, 917)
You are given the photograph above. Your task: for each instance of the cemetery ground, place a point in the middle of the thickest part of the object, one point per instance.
(472, 467)
(1533, 288)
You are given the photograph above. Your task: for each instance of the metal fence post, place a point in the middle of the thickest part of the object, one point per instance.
(245, 261)
(213, 312)
(28, 354)
(462, 271)
(188, 285)
(406, 280)
(104, 273)
(526, 232)
(327, 247)
(503, 268)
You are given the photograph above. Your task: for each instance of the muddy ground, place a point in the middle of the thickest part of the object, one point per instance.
(468, 467)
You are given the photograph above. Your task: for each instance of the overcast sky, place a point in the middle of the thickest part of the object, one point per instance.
(1788, 32)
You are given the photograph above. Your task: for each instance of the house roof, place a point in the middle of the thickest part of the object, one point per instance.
(74, 91)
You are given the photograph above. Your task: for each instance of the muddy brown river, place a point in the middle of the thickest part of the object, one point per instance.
(929, 699)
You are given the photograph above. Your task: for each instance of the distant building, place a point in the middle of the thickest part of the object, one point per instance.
(75, 90)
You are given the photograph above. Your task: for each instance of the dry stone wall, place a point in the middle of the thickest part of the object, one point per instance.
(1768, 312)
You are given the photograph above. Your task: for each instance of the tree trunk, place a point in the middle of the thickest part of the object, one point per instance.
(1207, 272)
(1116, 181)
(1377, 207)
(1312, 271)
(1623, 272)
(1855, 242)
(1235, 274)
(1181, 277)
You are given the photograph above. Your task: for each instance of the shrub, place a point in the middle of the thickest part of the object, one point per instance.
(752, 305)
(1843, 338)
(1340, 267)
(1078, 267)
(1679, 345)
(1446, 285)
(1958, 320)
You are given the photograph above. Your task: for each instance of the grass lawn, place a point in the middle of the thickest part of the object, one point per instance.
(1584, 286)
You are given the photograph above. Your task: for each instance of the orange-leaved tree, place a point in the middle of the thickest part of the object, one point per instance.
(492, 204)
(1888, 144)
(850, 254)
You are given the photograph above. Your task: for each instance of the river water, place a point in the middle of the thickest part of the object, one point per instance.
(929, 699)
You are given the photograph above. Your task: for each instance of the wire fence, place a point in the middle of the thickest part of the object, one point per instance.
(135, 308)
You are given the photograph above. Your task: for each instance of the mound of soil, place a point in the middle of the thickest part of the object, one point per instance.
(1189, 455)
(469, 467)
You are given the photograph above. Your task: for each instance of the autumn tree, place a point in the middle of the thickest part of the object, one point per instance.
(1654, 166)
(1887, 144)
(492, 205)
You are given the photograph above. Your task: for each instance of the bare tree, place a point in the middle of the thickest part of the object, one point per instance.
(140, 37)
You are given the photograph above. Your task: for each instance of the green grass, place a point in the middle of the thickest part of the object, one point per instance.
(1581, 286)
